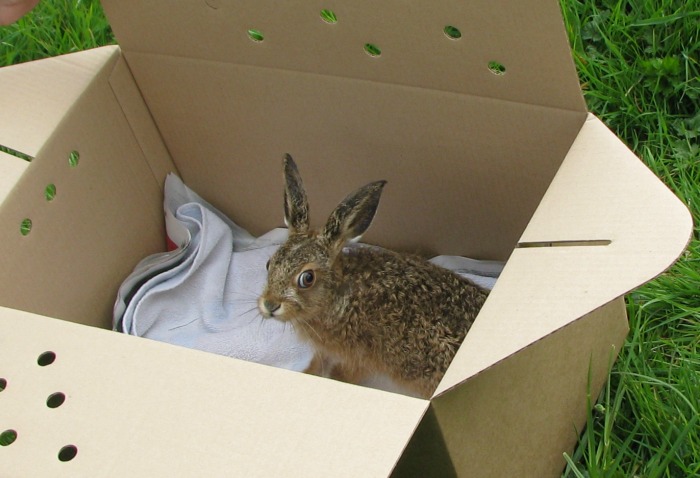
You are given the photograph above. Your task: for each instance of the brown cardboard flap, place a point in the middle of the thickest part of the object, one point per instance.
(141, 122)
(527, 37)
(106, 211)
(36, 95)
(465, 173)
(605, 226)
(135, 407)
(468, 153)
(609, 194)
(11, 169)
(534, 403)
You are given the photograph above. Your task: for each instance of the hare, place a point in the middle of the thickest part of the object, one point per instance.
(370, 310)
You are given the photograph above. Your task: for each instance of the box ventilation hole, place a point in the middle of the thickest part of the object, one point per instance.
(47, 358)
(55, 400)
(25, 227)
(452, 33)
(372, 50)
(256, 35)
(50, 192)
(329, 16)
(73, 159)
(497, 68)
(8, 437)
(67, 453)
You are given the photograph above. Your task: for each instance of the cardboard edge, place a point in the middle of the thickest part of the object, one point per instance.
(41, 92)
(141, 121)
(426, 452)
(11, 170)
(441, 392)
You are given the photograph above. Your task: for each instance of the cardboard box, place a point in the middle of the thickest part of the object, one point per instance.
(481, 162)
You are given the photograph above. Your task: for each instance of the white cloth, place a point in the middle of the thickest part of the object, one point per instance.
(203, 294)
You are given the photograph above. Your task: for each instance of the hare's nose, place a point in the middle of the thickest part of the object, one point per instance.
(270, 307)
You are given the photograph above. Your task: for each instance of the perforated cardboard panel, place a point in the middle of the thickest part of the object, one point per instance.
(89, 402)
(527, 38)
(106, 211)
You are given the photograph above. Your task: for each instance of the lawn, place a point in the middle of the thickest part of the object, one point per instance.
(639, 71)
(638, 65)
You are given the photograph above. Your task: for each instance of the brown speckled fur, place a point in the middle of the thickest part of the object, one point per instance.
(370, 309)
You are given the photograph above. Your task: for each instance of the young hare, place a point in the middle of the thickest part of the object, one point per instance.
(370, 310)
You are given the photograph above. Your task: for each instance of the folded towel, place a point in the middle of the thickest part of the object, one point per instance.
(203, 293)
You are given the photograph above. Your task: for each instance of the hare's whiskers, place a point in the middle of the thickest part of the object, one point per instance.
(309, 327)
(248, 311)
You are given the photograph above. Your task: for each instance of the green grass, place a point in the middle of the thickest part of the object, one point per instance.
(638, 65)
(53, 28)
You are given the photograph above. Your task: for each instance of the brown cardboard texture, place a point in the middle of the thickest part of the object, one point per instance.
(489, 153)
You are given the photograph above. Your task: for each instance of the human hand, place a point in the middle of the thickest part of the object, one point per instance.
(13, 10)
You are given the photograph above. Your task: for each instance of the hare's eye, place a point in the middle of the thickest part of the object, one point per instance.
(306, 279)
(267, 266)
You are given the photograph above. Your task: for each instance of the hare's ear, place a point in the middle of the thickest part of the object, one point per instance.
(352, 217)
(296, 206)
